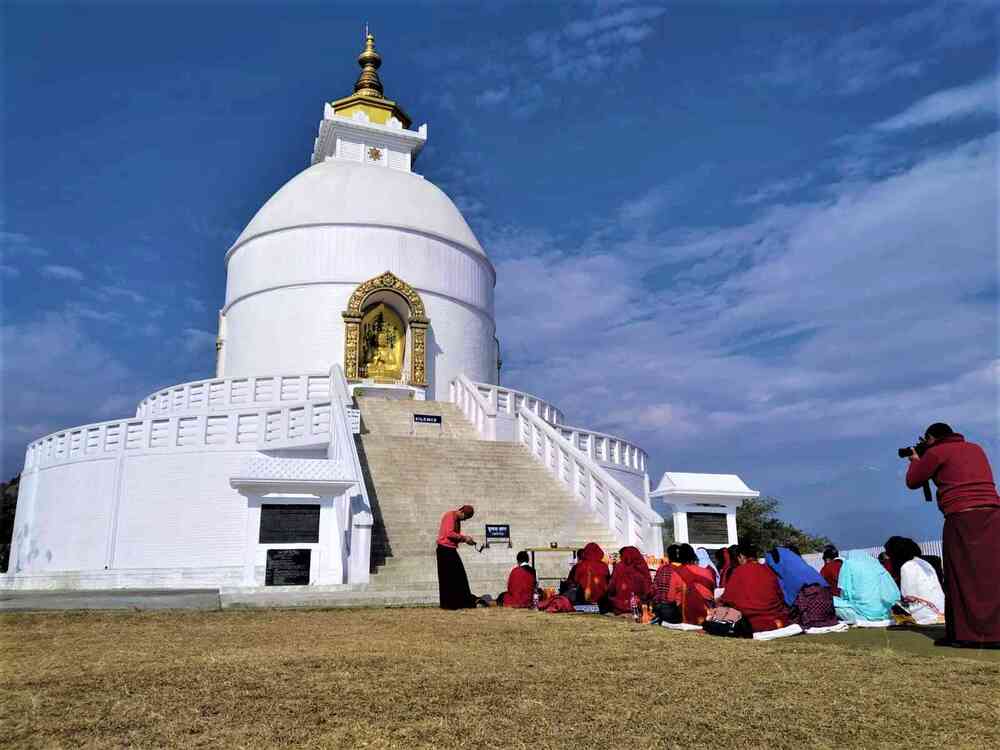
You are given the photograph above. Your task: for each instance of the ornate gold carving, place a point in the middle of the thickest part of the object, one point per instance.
(361, 351)
(374, 154)
(352, 327)
(418, 357)
(390, 282)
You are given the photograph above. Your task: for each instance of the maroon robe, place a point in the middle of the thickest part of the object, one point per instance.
(520, 588)
(971, 542)
(755, 591)
(631, 576)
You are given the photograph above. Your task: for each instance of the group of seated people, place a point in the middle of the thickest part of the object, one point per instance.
(767, 594)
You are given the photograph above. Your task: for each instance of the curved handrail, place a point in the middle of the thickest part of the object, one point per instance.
(615, 450)
(509, 400)
(220, 394)
(591, 483)
(483, 415)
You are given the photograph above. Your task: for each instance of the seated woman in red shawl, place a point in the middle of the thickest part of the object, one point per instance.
(520, 584)
(630, 576)
(663, 582)
(831, 568)
(692, 587)
(591, 574)
(755, 591)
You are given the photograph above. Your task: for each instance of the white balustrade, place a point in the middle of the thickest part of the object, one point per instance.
(360, 519)
(297, 425)
(627, 517)
(606, 448)
(476, 408)
(222, 394)
(508, 401)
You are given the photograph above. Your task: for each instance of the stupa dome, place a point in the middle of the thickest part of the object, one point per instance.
(337, 192)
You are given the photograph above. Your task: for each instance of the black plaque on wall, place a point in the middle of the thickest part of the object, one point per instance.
(289, 524)
(707, 528)
(287, 567)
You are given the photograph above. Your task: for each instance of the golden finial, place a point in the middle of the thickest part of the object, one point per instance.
(368, 83)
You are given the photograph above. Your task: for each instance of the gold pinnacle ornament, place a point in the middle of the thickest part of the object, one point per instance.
(368, 83)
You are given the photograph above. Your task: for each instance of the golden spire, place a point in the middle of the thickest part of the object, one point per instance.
(368, 83)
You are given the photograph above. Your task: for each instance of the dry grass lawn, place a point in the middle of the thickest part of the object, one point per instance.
(487, 678)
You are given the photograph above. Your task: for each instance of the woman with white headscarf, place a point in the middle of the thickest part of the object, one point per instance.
(706, 562)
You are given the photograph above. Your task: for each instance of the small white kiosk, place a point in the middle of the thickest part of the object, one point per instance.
(703, 506)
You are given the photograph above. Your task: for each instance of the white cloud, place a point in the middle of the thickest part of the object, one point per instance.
(15, 243)
(974, 99)
(493, 97)
(196, 341)
(764, 346)
(878, 54)
(63, 273)
(53, 374)
(118, 291)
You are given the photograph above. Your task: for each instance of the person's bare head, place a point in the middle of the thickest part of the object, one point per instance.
(747, 553)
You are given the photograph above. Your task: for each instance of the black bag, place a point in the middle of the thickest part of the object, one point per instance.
(667, 612)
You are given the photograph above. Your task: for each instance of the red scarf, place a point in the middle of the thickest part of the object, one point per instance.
(695, 594)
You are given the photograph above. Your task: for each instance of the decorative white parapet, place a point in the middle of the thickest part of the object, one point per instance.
(224, 394)
(703, 506)
(626, 516)
(298, 426)
(357, 138)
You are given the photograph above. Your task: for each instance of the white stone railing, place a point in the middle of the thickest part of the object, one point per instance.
(508, 401)
(289, 426)
(606, 448)
(223, 394)
(627, 517)
(340, 391)
(476, 408)
(345, 424)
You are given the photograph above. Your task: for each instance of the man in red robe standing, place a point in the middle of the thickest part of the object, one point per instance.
(967, 496)
(453, 583)
(755, 591)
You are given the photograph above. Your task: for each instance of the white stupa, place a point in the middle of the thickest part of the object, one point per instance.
(358, 283)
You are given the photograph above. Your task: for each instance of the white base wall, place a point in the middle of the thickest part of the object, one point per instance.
(151, 520)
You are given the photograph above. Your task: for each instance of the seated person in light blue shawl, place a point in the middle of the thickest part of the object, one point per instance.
(867, 591)
(793, 572)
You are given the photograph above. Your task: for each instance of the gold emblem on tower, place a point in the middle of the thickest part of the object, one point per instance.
(374, 154)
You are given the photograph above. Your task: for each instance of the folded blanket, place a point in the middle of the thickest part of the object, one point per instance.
(871, 623)
(840, 627)
(770, 635)
(680, 626)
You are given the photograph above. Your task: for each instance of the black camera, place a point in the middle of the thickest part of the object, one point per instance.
(920, 448)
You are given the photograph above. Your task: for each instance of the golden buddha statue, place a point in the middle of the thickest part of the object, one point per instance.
(383, 339)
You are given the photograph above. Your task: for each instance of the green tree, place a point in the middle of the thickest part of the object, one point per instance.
(757, 523)
(8, 504)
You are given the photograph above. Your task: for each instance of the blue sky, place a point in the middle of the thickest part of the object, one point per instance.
(755, 238)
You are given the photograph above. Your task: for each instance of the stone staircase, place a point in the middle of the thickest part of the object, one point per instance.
(412, 480)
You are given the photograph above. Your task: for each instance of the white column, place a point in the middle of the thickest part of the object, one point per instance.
(250, 543)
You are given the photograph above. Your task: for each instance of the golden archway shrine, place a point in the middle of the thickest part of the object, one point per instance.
(378, 340)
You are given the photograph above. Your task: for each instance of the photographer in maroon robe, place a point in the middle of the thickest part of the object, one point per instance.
(967, 496)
